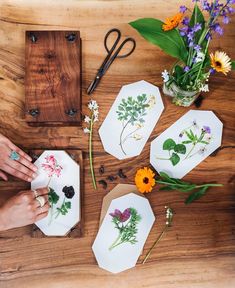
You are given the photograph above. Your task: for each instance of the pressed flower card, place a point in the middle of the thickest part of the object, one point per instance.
(61, 174)
(131, 119)
(186, 143)
(123, 233)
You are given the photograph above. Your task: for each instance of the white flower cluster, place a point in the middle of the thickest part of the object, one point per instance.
(199, 57)
(93, 106)
(169, 216)
(165, 76)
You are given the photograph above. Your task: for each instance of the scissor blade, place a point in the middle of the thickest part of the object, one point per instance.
(93, 85)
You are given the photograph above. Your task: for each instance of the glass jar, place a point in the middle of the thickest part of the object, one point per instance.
(180, 97)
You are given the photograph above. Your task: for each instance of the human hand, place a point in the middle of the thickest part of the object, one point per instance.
(22, 168)
(23, 209)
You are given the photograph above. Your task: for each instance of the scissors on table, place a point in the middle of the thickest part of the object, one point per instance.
(111, 56)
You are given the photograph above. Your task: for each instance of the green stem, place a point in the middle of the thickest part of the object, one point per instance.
(121, 141)
(154, 244)
(183, 185)
(90, 153)
(115, 243)
(190, 151)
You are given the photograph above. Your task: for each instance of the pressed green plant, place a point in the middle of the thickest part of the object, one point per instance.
(131, 112)
(126, 223)
(190, 139)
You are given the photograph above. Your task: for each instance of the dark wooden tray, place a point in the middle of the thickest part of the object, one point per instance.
(14, 185)
(53, 78)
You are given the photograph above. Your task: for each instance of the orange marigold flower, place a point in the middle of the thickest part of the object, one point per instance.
(144, 180)
(172, 22)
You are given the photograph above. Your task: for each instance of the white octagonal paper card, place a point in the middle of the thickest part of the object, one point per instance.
(186, 143)
(123, 233)
(131, 119)
(58, 171)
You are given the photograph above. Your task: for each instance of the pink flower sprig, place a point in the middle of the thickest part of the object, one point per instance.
(51, 166)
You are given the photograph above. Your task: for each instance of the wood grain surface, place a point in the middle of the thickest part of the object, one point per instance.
(199, 250)
(52, 78)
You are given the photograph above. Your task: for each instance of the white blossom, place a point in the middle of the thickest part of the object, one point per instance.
(204, 88)
(87, 119)
(92, 105)
(152, 101)
(199, 57)
(137, 136)
(165, 76)
(86, 130)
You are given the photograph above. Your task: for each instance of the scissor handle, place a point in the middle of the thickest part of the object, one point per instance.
(110, 51)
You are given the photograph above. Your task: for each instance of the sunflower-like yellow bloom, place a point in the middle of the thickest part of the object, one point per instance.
(221, 62)
(172, 22)
(144, 180)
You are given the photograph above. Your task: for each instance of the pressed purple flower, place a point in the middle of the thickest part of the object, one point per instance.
(197, 48)
(183, 9)
(207, 129)
(186, 68)
(186, 21)
(122, 217)
(226, 20)
(181, 134)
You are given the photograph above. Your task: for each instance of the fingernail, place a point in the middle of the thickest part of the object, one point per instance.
(35, 168)
(30, 179)
(34, 175)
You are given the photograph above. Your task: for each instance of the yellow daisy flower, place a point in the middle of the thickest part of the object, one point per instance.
(144, 180)
(172, 22)
(221, 62)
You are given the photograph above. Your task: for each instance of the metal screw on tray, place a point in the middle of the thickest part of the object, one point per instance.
(33, 37)
(71, 112)
(34, 112)
(71, 37)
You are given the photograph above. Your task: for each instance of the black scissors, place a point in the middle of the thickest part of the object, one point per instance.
(112, 55)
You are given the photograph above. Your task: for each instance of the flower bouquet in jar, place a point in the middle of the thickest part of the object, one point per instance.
(187, 36)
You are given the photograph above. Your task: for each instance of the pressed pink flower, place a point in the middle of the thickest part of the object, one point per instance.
(122, 217)
(51, 166)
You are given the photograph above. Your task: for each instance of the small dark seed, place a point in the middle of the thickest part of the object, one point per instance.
(198, 101)
(103, 183)
(111, 178)
(121, 174)
(101, 169)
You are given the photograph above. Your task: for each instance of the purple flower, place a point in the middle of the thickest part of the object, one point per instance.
(186, 21)
(230, 10)
(190, 35)
(205, 5)
(217, 28)
(183, 9)
(226, 20)
(197, 48)
(231, 1)
(186, 68)
(212, 71)
(122, 217)
(197, 27)
(207, 129)
(191, 44)
(208, 36)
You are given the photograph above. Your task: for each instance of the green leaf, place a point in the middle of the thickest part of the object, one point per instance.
(197, 17)
(196, 195)
(175, 159)
(166, 188)
(169, 144)
(164, 176)
(204, 142)
(67, 205)
(233, 65)
(53, 197)
(187, 142)
(169, 41)
(180, 148)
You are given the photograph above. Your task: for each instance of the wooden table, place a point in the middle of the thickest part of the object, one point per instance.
(199, 250)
